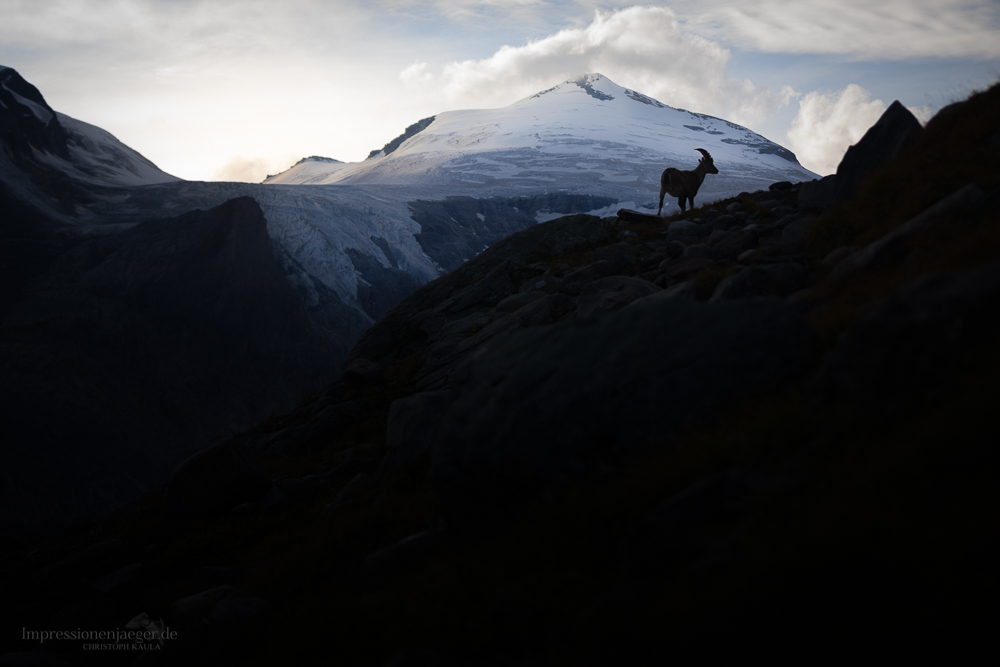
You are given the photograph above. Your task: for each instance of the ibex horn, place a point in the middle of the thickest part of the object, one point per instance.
(704, 152)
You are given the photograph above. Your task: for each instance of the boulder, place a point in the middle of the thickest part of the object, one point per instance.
(837, 255)
(405, 329)
(516, 301)
(683, 227)
(118, 579)
(684, 290)
(786, 277)
(215, 480)
(407, 552)
(198, 602)
(724, 222)
(413, 427)
(906, 348)
(735, 244)
(298, 490)
(652, 261)
(358, 485)
(794, 235)
(701, 250)
(881, 143)
(362, 371)
(621, 255)
(895, 245)
(575, 280)
(716, 236)
(238, 610)
(748, 283)
(686, 267)
(612, 293)
(546, 310)
(818, 194)
(628, 215)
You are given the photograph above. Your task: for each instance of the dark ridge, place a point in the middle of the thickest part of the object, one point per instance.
(410, 131)
(386, 250)
(764, 147)
(452, 231)
(639, 97)
(20, 128)
(174, 334)
(380, 288)
(318, 158)
(593, 92)
(547, 90)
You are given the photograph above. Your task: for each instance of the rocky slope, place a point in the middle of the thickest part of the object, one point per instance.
(92, 230)
(131, 337)
(765, 424)
(131, 351)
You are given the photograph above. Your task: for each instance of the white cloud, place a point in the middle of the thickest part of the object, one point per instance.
(827, 124)
(250, 169)
(417, 74)
(858, 29)
(227, 78)
(923, 114)
(643, 48)
(184, 26)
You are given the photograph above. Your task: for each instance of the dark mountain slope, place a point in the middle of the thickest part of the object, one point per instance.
(28, 121)
(136, 349)
(759, 426)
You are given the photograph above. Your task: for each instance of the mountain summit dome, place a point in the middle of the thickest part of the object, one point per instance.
(586, 134)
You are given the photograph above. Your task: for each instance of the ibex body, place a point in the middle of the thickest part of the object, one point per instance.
(684, 184)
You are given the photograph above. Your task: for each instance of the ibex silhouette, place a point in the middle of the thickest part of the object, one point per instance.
(685, 184)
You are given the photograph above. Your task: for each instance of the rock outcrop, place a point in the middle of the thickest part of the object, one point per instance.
(881, 144)
(26, 119)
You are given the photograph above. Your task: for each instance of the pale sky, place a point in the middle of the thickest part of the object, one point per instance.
(238, 89)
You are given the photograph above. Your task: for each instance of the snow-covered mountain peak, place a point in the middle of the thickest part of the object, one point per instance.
(96, 156)
(320, 158)
(35, 133)
(584, 135)
(598, 86)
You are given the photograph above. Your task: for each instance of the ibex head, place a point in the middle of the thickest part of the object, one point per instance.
(706, 162)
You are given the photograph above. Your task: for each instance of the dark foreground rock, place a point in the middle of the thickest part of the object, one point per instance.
(552, 402)
(132, 351)
(759, 449)
(905, 349)
(215, 480)
(881, 144)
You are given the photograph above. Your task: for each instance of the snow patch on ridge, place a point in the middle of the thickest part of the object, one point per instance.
(97, 157)
(40, 112)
